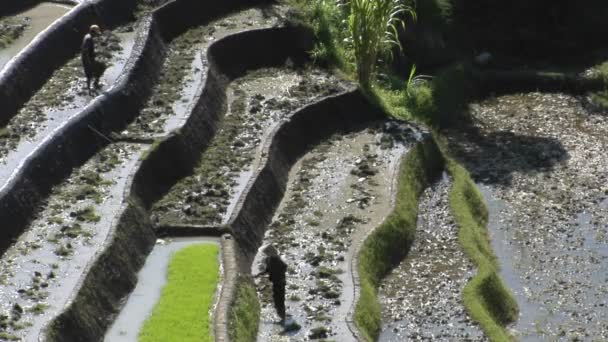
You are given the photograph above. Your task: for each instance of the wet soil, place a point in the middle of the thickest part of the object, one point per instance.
(16, 32)
(337, 194)
(61, 98)
(151, 280)
(40, 271)
(182, 73)
(257, 102)
(422, 297)
(541, 161)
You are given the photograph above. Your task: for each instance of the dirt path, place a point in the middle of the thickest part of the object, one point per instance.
(422, 297)
(338, 192)
(542, 161)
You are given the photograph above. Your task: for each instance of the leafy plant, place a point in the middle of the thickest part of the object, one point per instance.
(373, 26)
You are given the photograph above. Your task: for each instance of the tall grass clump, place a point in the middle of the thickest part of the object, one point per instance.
(442, 102)
(390, 242)
(245, 312)
(373, 26)
(485, 296)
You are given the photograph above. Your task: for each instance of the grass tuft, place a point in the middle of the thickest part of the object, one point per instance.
(390, 242)
(182, 314)
(245, 314)
(486, 298)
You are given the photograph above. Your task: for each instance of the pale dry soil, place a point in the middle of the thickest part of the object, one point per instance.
(541, 159)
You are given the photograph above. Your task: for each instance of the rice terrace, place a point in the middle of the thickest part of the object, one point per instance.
(297, 170)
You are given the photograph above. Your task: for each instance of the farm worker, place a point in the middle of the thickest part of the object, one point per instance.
(276, 269)
(93, 69)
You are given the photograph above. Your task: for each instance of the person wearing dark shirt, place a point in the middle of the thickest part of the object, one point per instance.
(92, 68)
(276, 270)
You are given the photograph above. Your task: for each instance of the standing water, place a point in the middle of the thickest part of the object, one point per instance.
(40, 17)
(152, 279)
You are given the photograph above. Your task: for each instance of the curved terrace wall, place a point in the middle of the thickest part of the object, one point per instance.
(77, 140)
(29, 70)
(113, 275)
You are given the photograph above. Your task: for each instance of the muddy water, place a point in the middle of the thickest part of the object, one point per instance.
(40, 17)
(48, 110)
(257, 102)
(41, 270)
(542, 161)
(337, 193)
(422, 297)
(152, 279)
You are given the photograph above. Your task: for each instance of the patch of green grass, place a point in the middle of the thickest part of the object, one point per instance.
(38, 309)
(486, 298)
(87, 214)
(390, 242)
(182, 314)
(600, 99)
(245, 313)
(4, 336)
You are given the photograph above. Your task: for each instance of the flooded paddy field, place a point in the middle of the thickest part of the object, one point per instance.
(539, 160)
(17, 31)
(422, 297)
(337, 193)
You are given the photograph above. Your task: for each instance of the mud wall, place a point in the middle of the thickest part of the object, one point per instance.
(176, 156)
(29, 70)
(113, 274)
(76, 141)
(309, 126)
(99, 297)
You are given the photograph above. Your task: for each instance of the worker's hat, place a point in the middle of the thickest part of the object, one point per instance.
(94, 29)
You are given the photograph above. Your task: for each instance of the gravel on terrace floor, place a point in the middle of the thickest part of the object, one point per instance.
(544, 156)
(422, 297)
(340, 190)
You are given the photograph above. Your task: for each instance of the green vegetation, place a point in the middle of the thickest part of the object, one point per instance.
(182, 313)
(486, 298)
(373, 28)
(390, 242)
(245, 313)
